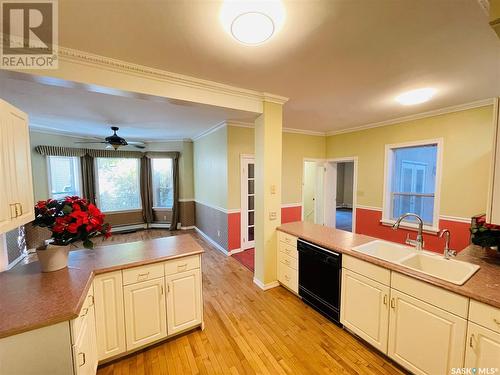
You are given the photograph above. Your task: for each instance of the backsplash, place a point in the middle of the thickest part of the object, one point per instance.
(15, 244)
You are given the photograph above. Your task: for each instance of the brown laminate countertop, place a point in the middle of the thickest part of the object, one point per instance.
(30, 299)
(483, 286)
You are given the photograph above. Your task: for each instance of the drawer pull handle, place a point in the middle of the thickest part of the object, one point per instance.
(393, 303)
(287, 262)
(84, 359)
(142, 275)
(496, 321)
(20, 208)
(15, 210)
(161, 288)
(92, 301)
(182, 266)
(287, 277)
(471, 341)
(85, 311)
(385, 299)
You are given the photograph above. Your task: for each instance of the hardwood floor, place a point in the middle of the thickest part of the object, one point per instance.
(249, 331)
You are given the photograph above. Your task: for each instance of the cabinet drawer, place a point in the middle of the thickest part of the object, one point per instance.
(287, 260)
(142, 273)
(444, 299)
(288, 277)
(287, 238)
(485, 315)
(77, 323)
(288, 250)
(366, 269)
(182, 264)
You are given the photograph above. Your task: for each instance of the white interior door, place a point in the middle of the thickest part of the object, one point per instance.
(247, 202)
(330, 194)
(319, 206)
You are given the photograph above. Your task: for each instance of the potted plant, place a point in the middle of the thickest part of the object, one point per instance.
(70, 220)
(485, 235)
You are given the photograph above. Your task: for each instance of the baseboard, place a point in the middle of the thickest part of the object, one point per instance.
(127, 228)
(160, 225)
(235, 251)
(212, 242)
(188, 228)
(267, 286)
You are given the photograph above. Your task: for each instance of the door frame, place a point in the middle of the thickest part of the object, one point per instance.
(304, 160)
(332, 183)
(244, 159)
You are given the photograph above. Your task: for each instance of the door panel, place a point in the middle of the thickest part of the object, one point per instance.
(247, 202)
(145, 312)
(483, 348)
(359, 295)
(424, 338)
(109, 313)
(183, 301)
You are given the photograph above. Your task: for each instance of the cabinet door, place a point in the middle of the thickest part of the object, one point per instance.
(424, 338)
(83, 355)
(145, 312)
(109, 314)
(184, 304)
(15, 168)
(483, 348)
(365, 308)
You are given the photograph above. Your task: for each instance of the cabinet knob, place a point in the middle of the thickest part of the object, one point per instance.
(496, 321)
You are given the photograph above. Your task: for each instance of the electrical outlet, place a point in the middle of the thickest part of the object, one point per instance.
(272, 215)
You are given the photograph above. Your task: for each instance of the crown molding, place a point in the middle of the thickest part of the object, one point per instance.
(303, 131)
(211, 130)
(73, 55)
(418, 116)
(240, 124)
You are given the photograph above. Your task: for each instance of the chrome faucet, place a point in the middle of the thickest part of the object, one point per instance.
(447, 253)
(419, 241)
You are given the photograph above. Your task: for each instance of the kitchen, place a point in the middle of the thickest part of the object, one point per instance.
(165, 294)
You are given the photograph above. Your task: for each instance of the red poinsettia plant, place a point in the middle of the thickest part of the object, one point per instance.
(70, 220)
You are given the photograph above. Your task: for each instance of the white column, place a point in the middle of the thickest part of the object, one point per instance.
(268, 140)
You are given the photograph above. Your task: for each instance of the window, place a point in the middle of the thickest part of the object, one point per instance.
(412, 180)
(163, 192)
(118, 187)
(64, 176)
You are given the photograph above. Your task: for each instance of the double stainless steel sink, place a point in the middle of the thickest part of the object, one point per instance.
(432, 264)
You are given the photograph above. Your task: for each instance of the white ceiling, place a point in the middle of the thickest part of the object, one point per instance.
(76, 109)
(341, 62)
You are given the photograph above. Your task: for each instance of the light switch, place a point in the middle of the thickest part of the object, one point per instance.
(273, 189)
(272, 215)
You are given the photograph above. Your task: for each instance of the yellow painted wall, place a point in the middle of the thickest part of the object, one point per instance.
(296, 147)
(239, 141)
(210, 168)
(468, 139)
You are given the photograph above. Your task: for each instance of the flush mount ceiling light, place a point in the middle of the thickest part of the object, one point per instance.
(416, 96)
(252, 22)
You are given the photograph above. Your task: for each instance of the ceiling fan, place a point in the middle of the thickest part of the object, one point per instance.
(116, 141)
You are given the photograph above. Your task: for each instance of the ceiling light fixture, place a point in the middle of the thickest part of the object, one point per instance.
(416, 96)
(252, 22)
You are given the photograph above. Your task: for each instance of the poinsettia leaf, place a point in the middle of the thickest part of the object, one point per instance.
(88, 244)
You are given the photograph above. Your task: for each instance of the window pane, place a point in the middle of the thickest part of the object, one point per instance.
(250, 170)
(251, 202)
(163, 192)
(414, 181)
(64, 176)
(118, 184)
(250, 234)
(251, 187)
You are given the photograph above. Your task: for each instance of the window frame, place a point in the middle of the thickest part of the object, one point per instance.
(78, 172)
(156, 208)
(388, 173)
(97, 194)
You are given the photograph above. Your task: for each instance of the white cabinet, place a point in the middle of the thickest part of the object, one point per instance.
(423, 338)
(145, 312)
(109, 313)
(16, 190)
(365, 308)
(483, 347)
(493, 211)
(288, 267)
(184, 304)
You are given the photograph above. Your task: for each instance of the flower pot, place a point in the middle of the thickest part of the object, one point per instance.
(53, 257)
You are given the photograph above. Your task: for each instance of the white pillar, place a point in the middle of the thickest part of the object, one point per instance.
(268, 139)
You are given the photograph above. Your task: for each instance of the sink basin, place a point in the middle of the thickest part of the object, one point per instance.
(389, 251)
(453, 271)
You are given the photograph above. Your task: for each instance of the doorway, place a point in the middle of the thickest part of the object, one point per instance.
(247, 173)
(340, 188)
(313, 182)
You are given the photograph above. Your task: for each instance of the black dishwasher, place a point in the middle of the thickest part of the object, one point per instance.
(319, 279)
